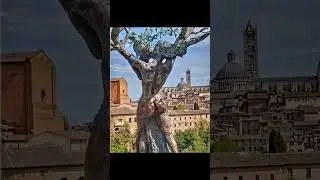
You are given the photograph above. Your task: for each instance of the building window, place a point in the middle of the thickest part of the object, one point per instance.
(308, 173)
(135, 119)
(129, 120)
(257, 177)
(123, 91)
(240, 178)
(271, 176)
(185, 124)
(225, 178)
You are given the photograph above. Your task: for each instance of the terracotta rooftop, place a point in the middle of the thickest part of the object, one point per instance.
(117, 79)
(193, 112)
(132, 111)
(238, 160)
(70, 134)
(42, 156)
(123, 111)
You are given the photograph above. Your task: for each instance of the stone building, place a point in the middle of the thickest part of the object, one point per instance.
(180, 120)
(258, 166)
(246, 107)
(187, 95)
(28, 92)
(48, 155)
(42, 162)
(119, 91)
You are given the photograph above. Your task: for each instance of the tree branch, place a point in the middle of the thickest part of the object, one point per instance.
(200, 31)
(185, 33)
(136, 64)
(195, 40)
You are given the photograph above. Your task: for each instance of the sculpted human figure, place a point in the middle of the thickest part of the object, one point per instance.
(153, 63)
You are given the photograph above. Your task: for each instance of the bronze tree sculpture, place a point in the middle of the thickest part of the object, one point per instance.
(91, 20)
(152, 63)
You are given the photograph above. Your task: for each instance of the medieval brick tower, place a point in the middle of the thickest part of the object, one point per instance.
(188, 77)
(251, 50)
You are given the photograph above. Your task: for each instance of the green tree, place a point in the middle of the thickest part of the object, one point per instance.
(225, 144)
(194, 140)
(179, 107)
(185, 139)
(276, 143)
(122, 141)
(196, 106)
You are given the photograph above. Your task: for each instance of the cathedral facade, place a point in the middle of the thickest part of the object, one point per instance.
(246, 107)
(234, 77)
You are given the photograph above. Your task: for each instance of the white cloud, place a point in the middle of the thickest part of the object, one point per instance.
(121, 68)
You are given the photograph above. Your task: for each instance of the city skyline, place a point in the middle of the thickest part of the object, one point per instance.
(197, 60)
(281, 52)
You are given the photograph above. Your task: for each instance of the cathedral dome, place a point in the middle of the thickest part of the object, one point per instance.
(232, 69)
(182, 83)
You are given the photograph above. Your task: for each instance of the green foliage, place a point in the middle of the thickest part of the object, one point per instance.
(194, 140)
(122, 140)
(225, 144)
(151, 34)
(196, 106)
(179, 107)
(276, 143)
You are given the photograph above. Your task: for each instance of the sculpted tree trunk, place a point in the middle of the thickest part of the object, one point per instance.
(91, 20)
(153, 66)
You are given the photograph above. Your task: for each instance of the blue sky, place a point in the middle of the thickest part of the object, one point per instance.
(197, 59)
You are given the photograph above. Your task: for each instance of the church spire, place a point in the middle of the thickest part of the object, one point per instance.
(251, 50)
(249, 30)
(188, 76)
